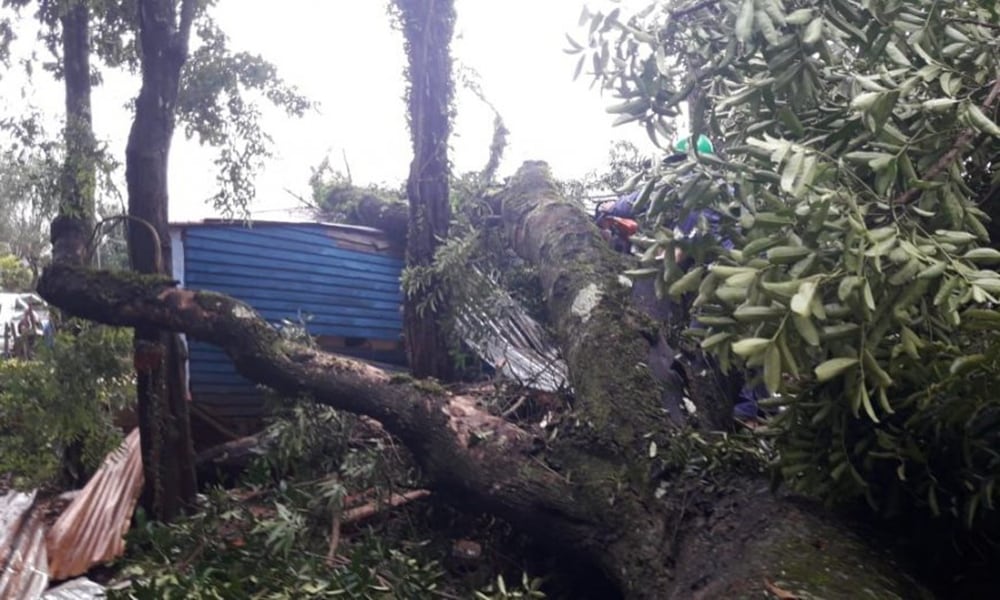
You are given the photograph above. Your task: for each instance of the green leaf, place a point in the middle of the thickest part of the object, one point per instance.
(964, 364)
(835, 366)
(939, 104)
(791, 171)
(750, 346)
(715, 339)
(866, 402)
(642, 273)
(865, 101)
(806, 329)
(982, 255)
(772, 369)
(814, 32)
(869, 298)
(688, 283)
(802, 301)
(980, 121)
(754, 314)
(744, 21)
(782, 255)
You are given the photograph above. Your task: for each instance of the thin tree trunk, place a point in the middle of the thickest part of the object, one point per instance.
(72, 229)
(427, 27)
(164, 425)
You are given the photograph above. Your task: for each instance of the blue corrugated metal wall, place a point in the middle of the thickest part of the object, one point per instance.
(289, 271)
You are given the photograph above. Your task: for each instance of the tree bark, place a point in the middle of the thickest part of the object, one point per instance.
(164, 424)
(71, 231)
(427, 27)
(591, 490)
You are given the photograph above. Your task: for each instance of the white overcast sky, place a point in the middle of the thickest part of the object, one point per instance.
(344, 55)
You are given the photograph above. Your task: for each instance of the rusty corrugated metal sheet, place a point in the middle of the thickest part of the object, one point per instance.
(22, 548)
(90, 531)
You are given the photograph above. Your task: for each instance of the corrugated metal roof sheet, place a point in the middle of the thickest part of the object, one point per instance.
(341, 288)
(280, 222)
(76, 589)
(341, 282)
(92, 528)
(517, 346)
(22, 548)
(88, 532)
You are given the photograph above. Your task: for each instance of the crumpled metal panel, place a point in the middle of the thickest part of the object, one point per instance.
(508, 339)
(76, 589)
(22, 548)
(90, 531)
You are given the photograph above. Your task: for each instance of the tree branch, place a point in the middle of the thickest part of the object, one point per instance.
(468, 454)
(952, 154)
(188, 11)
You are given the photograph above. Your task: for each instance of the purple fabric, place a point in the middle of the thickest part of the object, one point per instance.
(622, 206)
(689, 226)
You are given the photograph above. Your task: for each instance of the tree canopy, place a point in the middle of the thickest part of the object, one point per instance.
(858, 154)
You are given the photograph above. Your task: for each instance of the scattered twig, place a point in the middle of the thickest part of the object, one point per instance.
(347, 166)
(513, 408)
(367, 510)
(781, 594)
(331, 554)
(185, 562)
(951, 155)
(212, 422)
(306, 203)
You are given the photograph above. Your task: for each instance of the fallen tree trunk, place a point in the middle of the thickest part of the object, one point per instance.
(601, 487)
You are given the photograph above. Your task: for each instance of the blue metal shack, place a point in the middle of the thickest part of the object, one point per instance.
(340, 281)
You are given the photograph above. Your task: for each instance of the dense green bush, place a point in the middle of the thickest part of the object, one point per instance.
(58, 409)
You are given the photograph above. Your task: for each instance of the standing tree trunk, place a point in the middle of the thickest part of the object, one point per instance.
(71, 230)
(427, 27)
(167, 451)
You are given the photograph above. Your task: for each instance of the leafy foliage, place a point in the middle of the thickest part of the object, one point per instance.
(28, 193)
(234, 560)
(68, 396)
(220, 94)
(851, 131)
(217, 105)
(14, 276)
(269, 537)
(336, 199)
(30, 188)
